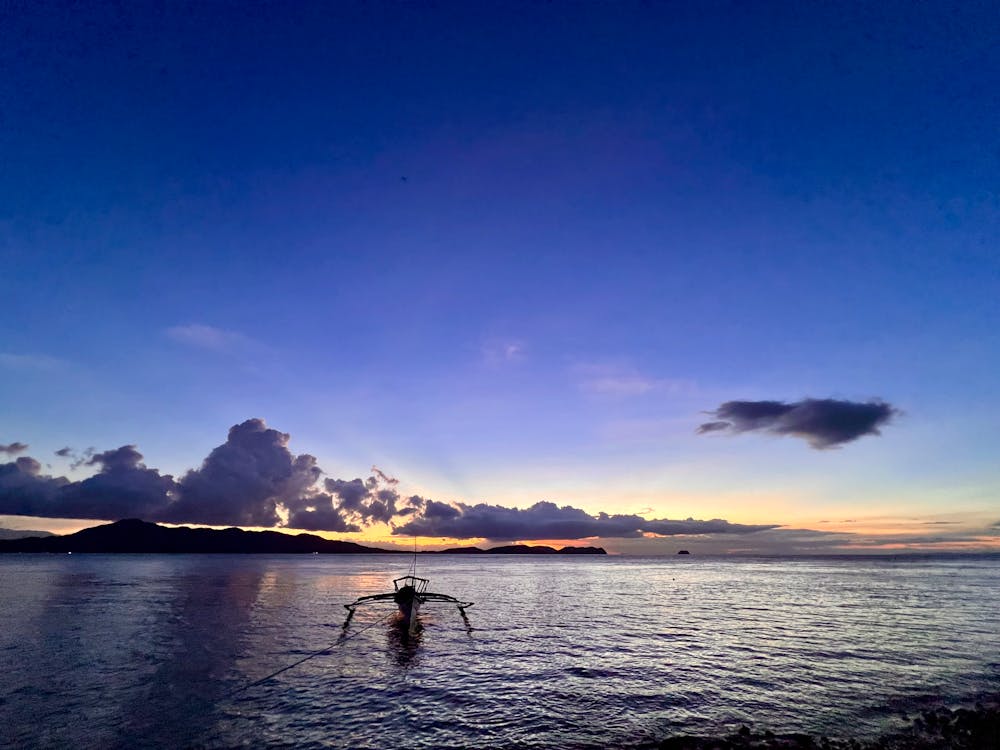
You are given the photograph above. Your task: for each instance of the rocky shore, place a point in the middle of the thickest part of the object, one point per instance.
(975, 728)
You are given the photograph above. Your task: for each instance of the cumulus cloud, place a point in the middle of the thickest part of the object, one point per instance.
(319, 512)
(253, 479)
(823, 423)
(244, 480)
(12, 449)
(364, 501)
(545, 520)
(24, 491)
(249, 480)
(123, 487)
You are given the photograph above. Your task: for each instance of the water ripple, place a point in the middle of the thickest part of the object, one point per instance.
(140, 651)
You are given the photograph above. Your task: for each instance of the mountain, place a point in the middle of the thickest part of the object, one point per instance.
(524, 549)
(21, 533)
(133, 535)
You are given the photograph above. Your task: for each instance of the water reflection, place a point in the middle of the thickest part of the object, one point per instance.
(106, 651)
(210, 609)
(403, 640)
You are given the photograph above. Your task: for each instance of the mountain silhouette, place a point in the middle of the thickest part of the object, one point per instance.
(133, 535)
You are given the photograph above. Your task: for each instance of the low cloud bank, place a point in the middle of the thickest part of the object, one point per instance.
(823, 423)
(546, 520)
(253, 479)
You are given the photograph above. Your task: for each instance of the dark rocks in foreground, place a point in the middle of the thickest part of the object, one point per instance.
(941, 729)
(135, 536)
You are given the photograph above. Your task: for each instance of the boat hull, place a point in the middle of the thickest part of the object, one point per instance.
(408, 602)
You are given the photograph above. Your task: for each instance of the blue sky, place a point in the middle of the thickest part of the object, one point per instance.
(512, 253)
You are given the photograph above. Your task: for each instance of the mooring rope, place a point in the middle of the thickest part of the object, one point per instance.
(342, 638)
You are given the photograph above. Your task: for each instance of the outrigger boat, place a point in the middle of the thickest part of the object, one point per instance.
(410, 592)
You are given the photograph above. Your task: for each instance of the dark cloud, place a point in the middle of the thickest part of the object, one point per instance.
(319, 512)
(244, 480)
(122, 487)
(382, 476)
(82, 459)
(253, 479)
(64, 452)
(824, 423)
(545, 520)
(372, 500)
(23, 492)
(12, 449)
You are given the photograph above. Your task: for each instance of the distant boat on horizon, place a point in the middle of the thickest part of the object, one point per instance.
(683, 552)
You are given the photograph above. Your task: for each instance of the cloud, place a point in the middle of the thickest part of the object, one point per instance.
(620, 381)
(24, 491)
(383, 476)
(12, 449)
(371, 500)
(249, 480)
(499, 351)
(824, 423)
(253, 479)
(545, 520)
(30, 362)
(81, 458)
(244, 480)
(211, 338)
(123, 487)
(620, 385)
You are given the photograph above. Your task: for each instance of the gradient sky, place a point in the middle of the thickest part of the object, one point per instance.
(513, 253)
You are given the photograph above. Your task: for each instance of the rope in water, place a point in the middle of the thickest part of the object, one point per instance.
(342, 638)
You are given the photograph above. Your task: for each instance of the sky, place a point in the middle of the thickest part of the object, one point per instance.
(713, 276)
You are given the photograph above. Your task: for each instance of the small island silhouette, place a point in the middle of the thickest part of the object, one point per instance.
(135, 536)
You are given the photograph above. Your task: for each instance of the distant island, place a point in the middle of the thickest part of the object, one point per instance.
(522, 549)
(21, 533)
(135, 536)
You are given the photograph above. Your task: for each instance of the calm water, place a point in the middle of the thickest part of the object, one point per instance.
(140, 651)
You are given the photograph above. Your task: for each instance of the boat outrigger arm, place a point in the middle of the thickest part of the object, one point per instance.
(409, 594)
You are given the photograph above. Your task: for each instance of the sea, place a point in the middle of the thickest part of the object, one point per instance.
(173, 651)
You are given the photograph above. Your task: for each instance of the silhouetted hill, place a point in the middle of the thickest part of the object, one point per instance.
(524, 549)
(21, 533)
(133, 535)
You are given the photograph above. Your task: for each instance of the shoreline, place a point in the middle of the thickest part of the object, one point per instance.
(963, 728)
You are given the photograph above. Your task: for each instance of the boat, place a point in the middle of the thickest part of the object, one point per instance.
(409, 594)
